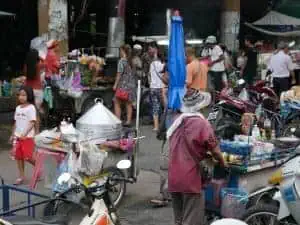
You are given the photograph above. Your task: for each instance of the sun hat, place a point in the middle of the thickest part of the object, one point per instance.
(211, 40)
(195, 100)
(137, 47)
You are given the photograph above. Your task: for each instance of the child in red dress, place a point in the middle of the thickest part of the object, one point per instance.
(24, 131)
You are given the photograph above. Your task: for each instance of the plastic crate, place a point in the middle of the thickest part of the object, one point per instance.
(236, 148)
(234, 201)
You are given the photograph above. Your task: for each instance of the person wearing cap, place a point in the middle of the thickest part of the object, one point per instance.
(137, 64)
(281, 66)
(216, 63)
(190, 138)
(249, 69)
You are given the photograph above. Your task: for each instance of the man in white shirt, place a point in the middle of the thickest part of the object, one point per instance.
(282, 68)
(217, 65)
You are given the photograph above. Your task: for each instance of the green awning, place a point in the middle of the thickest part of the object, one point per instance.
(290, 8)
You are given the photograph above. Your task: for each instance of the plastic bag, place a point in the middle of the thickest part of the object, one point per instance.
(90, 160)
(39, 44)
(244, 95)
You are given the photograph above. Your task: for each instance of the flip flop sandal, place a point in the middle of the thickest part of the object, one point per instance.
(19, 181)
(159, 203)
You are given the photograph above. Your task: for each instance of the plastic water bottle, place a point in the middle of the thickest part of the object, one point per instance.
(255, 132)
(268, 128)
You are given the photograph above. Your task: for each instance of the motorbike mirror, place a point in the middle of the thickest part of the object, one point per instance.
(124, 164)
(64, 178)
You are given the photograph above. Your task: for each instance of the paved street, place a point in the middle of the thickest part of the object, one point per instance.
(135, 209)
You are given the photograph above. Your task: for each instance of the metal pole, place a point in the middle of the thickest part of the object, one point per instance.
(137, 146)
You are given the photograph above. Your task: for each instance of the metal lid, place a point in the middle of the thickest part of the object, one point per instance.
(99, 115)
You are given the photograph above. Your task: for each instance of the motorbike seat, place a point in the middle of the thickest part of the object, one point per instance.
(26, 220)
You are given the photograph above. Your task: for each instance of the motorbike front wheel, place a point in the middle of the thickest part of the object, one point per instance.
(265, 215)
(117, 189)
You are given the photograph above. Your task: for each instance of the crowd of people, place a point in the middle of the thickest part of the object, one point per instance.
(186, 133)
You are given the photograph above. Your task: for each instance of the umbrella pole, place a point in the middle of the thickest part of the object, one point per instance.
(137, 145)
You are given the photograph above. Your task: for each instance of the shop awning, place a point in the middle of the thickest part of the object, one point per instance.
(276, 19)
(2, 13)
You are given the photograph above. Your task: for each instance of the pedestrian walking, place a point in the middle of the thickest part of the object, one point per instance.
(156, 88)
(125, 85)
(137, 64)
(24, 131)
(282, 69)
(190, 138)
(249, 69)
(216, 64)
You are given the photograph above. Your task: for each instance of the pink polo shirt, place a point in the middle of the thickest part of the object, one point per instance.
(188, 146)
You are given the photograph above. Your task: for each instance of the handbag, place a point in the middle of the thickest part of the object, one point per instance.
(122, 94)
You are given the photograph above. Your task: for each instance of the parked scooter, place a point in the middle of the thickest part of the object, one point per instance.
(101, 209)
(279, 203)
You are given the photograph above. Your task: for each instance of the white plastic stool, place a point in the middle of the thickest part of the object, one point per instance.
(228, 222)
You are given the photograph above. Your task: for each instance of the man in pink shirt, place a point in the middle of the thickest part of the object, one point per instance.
(191, 137)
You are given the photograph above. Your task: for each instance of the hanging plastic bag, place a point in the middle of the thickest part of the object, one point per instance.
(90, 160)
(244, 95)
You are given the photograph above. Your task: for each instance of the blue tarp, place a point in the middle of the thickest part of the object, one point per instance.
(176, 64)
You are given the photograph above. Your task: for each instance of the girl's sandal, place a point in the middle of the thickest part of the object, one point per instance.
(19, 181)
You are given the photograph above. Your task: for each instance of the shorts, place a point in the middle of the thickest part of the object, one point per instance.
(216, 81)
(38, 97)
(24, 149)
(156, 100)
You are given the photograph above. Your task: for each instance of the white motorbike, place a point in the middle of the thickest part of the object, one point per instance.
(101, 211)
(284, 205)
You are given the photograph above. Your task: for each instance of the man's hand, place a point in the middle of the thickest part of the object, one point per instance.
(294, 81)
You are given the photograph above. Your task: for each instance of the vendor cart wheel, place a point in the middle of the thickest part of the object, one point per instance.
(117, 189)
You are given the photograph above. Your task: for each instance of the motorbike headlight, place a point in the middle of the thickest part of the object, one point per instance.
(276, 177)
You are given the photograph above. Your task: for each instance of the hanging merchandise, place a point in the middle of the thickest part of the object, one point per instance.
(99, 124)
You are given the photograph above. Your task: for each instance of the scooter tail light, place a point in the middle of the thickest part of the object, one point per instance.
(103, 220)
(276, 177)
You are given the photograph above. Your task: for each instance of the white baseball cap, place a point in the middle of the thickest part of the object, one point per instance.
(137, 47)
(211, 40)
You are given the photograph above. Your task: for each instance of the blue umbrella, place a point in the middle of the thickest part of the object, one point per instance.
(176, 64)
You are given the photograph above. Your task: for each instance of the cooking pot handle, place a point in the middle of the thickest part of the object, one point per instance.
(97, 100)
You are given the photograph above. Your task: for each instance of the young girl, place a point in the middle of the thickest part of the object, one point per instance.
(24, 131)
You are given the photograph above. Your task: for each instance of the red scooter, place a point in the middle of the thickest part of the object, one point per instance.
(233, 104)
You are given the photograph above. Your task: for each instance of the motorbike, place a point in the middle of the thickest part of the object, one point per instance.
(99, 209)
(279, 203)
(227, 113)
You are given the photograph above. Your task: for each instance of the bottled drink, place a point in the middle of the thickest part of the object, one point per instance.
(255, 132)
(268, 128)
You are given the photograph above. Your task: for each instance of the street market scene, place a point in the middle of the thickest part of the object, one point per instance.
(129, 112)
